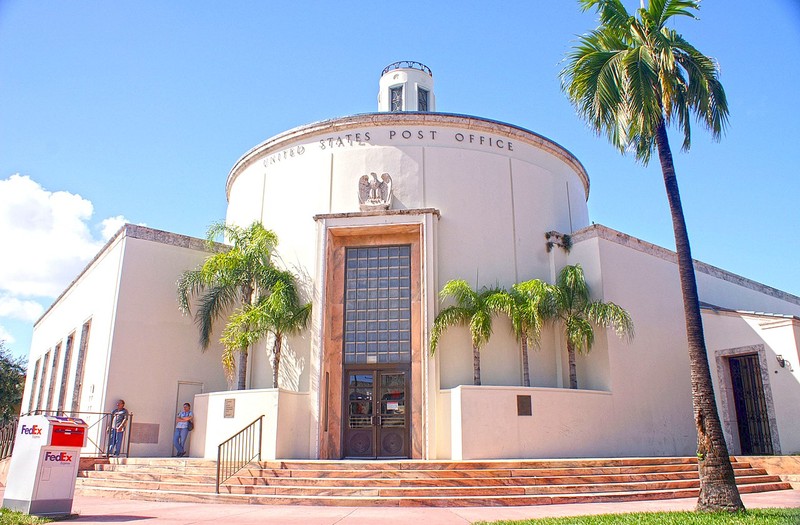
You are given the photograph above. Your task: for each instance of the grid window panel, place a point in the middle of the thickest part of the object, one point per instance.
(377, 305)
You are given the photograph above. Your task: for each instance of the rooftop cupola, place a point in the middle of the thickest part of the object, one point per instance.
(406, 86)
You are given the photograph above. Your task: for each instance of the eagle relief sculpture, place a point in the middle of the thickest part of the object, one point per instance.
(375, 193)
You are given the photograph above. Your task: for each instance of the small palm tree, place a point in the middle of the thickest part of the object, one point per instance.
(528, 304)
(473, 309)
(578, 315)
(278, 312)
(629, 79)
(229, 278)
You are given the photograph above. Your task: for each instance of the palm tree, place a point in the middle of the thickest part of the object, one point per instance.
(578, 315)
(629, 79)
(278, 312)
(528, 304)
(228, 278)
(473, 309)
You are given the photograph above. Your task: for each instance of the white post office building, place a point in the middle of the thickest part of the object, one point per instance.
(375, 212)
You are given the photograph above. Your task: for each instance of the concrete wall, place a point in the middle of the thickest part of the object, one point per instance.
(635, 397)
(92, 297)
(649, 377)
(154, 345)
(730, 334)
(436, 161)
(564, 423)
(140, 345)
(287, 411)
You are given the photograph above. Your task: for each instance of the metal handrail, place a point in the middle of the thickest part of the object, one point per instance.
(98, 432)
(239, 450)
(7, 433)
(407, 64)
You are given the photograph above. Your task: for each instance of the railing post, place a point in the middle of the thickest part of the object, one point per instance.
(260, 435)
(128, 427)
(219, 463)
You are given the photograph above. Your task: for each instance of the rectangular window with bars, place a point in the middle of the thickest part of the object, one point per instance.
(377, 305)
(422, 99)
(396, 98)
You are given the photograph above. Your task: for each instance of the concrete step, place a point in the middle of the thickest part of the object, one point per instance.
(432, 501)
(421, 483)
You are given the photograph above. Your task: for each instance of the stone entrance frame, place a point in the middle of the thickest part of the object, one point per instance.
(726, 394)
(337, 237)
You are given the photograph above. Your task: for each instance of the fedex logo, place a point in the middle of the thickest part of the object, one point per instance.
(61, 456)
(35, 430)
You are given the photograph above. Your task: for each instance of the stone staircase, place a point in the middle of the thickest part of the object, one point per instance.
(412, 483)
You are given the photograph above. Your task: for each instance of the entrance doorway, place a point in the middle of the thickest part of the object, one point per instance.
(376, 423)
(372, 347)
(186, 392)
(751, 408)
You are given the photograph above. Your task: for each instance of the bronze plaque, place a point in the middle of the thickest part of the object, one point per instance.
(230, 408)
(524, 406)
(144, 432)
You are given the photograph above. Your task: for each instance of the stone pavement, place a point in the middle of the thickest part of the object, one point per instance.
(109, 510)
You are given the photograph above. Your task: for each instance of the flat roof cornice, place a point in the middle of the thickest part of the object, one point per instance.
(277, 142)
(135, 231)
(623, 239)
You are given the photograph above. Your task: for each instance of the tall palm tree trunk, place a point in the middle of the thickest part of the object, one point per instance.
(526, 374)
(247, 298)
(241, 382)
(476, 365)
(276, 359)
(717, 482)
(573, 370)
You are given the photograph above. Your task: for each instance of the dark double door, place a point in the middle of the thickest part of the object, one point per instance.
(376, 415)
(751, 408)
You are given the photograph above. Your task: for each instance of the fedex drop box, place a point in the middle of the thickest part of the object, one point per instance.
(44, 465)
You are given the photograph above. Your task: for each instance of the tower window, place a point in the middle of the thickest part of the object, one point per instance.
(422, 99)
(396, 98)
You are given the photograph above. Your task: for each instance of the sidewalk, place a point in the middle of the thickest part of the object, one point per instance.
(109, 510)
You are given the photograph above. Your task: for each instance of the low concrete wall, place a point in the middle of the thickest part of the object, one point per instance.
(220, 415)
(563, 423)
(484, 424)
(787, 467)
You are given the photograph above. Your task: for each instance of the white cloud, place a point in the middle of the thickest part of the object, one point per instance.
(15, 308)
(46, 237)
(6, 336)
(110, 226)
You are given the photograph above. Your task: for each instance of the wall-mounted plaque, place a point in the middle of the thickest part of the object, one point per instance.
(524, 407)
(230, 408)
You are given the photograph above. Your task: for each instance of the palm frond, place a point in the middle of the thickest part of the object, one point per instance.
(190, 283)
(214, 302)
(662, 10)
(612, 12)
(450, 316)
(661, 78)
(611, 315)
(572, 292)
(460, 291)
(579, 333)
(480, 328)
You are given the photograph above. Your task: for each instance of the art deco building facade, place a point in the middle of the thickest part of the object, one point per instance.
(375, 212)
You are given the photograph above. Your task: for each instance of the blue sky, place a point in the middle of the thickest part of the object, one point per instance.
(135, 111)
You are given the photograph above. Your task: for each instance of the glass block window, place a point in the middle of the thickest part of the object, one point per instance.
(377, 308)
(422, 99)
(396, 98)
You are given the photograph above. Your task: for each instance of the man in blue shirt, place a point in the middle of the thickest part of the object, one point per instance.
(182, 429)
(119, 420)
